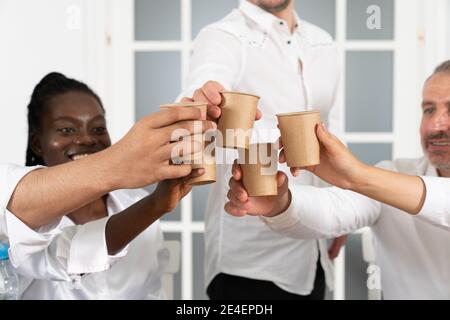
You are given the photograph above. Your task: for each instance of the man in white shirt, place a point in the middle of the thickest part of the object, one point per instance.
(140, 158)
(412, 251)
(263, 48)
(436, 206)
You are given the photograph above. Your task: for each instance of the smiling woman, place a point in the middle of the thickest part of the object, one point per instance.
(104, 238)
(66, 122)
(56, 131)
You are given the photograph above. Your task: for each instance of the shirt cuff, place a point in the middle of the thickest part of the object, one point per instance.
(25, 241)
(285, 219)
(89, 252)
(436, 208)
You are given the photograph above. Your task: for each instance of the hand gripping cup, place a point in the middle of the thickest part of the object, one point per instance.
(204, 159)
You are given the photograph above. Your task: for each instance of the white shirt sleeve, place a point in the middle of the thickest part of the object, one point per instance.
(436, 208)
(324, 213)
(60, 254)
(10, 176)
(217, 56)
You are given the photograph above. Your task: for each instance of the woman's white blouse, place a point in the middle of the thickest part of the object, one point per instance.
(10, 175)
(68, 261)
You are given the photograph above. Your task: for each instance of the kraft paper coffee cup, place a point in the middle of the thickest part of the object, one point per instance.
(193, 157)
(298, 132)
(204, 159)
(259, 165)
(236, 120)
(200, 105)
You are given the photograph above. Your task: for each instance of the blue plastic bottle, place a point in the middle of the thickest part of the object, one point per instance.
(9, 281)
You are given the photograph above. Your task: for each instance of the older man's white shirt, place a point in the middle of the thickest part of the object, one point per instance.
(412, 253)
(436, 208)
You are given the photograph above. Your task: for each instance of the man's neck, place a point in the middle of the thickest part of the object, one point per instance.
(287, 15)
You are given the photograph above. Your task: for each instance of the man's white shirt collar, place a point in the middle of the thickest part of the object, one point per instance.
(264, 19)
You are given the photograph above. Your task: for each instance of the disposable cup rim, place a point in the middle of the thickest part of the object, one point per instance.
(240, 93)
(290, 114)
(183, 104)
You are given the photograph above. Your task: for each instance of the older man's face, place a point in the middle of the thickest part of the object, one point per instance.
(272, 6)
(435, 126)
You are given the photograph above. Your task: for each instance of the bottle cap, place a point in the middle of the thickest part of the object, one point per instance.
(4, 251)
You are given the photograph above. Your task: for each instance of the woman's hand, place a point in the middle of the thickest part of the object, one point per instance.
(169, 193)
(338, 166)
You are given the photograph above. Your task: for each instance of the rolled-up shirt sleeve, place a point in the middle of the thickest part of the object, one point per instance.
(436, 208)
(10, 176)
(324, 213)
(60, 253)
(53, 251)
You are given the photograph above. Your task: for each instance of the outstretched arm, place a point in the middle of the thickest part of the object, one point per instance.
(138, 159)
(303, 211)
(339, 167)
(67, 253)
(124, 227)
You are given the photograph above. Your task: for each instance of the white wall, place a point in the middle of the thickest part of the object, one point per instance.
(38, 37)
(434, 32)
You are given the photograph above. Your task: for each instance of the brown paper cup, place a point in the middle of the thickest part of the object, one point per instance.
(298, 132)
(203, 108)
(258, 177)
(236, 120)
(200, 105)
(200, 159)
